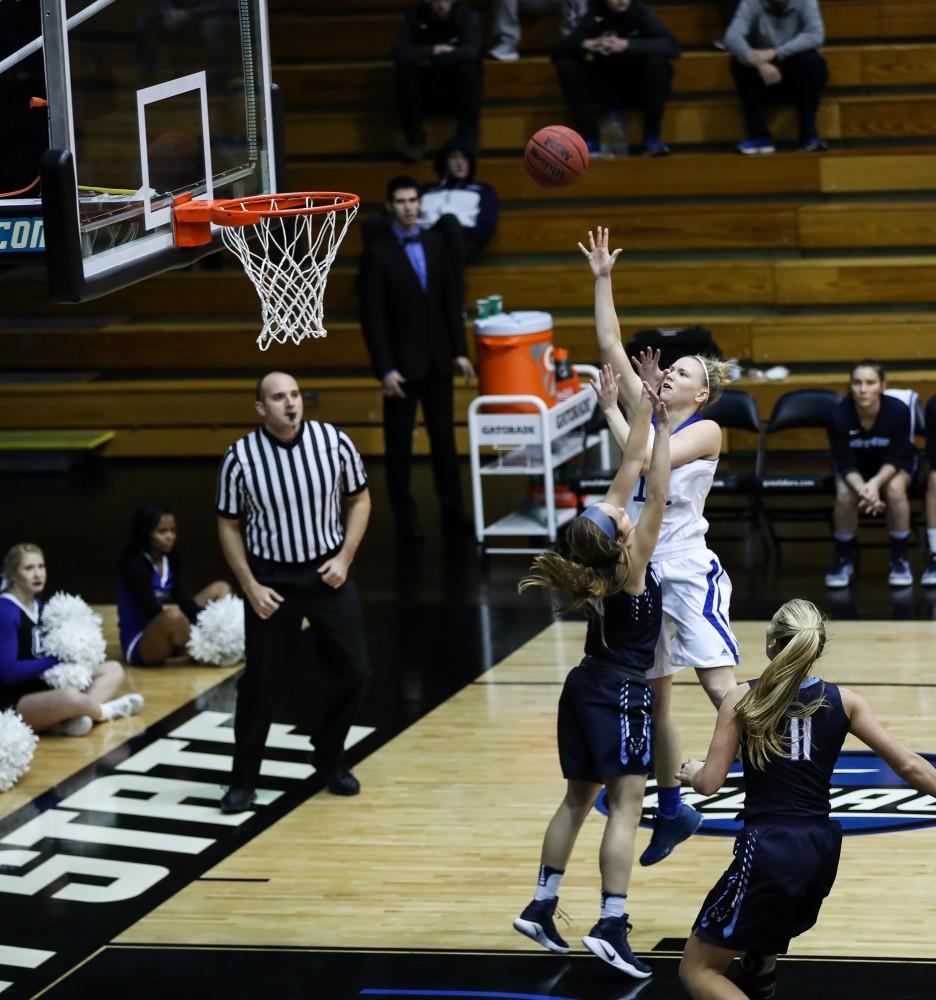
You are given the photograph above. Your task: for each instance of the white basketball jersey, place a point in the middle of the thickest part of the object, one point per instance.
(684, 525)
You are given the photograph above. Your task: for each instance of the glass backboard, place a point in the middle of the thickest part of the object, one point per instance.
(148, 99)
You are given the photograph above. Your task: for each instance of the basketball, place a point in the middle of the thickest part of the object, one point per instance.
(556, 156)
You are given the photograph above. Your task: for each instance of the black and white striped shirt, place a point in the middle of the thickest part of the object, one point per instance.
(290, 493)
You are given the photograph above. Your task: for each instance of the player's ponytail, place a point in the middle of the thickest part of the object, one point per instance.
(596, 568)
(799, 631)
(717, 375)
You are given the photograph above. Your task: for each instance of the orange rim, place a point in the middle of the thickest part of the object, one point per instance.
(192, 218)
(249, 211)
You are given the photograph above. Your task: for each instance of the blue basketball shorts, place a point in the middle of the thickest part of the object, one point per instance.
(774, 888)
(605, 724)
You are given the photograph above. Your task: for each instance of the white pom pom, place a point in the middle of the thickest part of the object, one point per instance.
(17, 746)
(218, 634)
(64, 675)
(71, 631)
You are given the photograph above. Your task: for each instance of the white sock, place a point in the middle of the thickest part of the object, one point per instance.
(547, 885)
(931, 538)
(612, 905)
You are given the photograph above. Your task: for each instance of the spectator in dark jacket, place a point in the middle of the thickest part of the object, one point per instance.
(619, 55)
(437, 52)
(473, 203)
(774, 46)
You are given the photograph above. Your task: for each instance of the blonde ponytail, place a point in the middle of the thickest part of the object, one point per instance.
(799, 630)
(717, 375)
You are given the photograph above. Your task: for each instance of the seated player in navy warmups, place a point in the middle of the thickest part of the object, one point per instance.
(64, 711)
(605, 720)
(928, 578)
(149, 579)
(789, 726)
(874, 461)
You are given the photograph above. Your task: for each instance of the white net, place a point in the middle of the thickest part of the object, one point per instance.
(288, 258)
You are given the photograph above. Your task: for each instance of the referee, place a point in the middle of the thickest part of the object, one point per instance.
(286, 481)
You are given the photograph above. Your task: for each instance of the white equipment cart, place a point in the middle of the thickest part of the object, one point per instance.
(529, 444)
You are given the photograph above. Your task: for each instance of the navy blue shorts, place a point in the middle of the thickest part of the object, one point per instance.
(774, 888)
(605, 724)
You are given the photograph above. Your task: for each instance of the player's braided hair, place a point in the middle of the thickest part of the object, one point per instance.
(799, 630)
(596, 568)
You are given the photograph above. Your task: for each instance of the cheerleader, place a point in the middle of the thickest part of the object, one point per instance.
(150, 578)
(65, 711)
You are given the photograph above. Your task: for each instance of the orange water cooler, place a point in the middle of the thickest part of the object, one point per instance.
(515, 357)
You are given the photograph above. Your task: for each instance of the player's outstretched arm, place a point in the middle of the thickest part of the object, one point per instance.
(657, 484)
(606, 389)
(914, 769)
(707, 776)
(634, 446)
(608, 329)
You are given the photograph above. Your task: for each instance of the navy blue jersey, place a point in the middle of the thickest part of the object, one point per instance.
(798, 786)
(135, 613)
(631, 627)
(22, 657)
(887, 441)
(931, 432)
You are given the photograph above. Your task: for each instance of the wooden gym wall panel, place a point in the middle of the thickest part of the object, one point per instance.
(883, 281)
(309, 85)
(888, 117)
(854, 225)
(330, 133)
(860, 172)
(177, 344)
(688, 174)
(883, 337)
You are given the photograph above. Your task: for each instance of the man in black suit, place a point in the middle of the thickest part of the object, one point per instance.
(411, 315)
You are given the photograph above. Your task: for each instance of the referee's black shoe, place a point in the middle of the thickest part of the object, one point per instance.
(340, 779)
(238, 800)
(342, 782)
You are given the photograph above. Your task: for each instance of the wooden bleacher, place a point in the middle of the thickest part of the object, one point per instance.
(805, 260)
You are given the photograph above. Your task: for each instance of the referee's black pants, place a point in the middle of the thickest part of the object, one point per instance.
(275, 646)
(436, 393)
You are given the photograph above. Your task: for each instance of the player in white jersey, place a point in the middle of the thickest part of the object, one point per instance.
(696, 591)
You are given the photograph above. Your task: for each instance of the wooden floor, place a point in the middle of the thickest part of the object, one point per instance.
(164, 689)
(448, 828)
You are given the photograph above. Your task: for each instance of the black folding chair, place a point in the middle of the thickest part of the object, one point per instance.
(738, 473)
(786, 475)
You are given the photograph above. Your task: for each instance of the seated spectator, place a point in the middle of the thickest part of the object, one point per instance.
(618, 56)
(149, 579)
(437, 52)
(774, 47)
(507, 22)
(928, 579)
(65, 711)
(473, 203)
(874, 461)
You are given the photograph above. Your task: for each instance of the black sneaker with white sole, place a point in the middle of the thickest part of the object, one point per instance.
(608, 941)
(536, 923)
(928, 579)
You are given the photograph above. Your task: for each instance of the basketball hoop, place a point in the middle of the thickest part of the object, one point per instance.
(287, 244)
